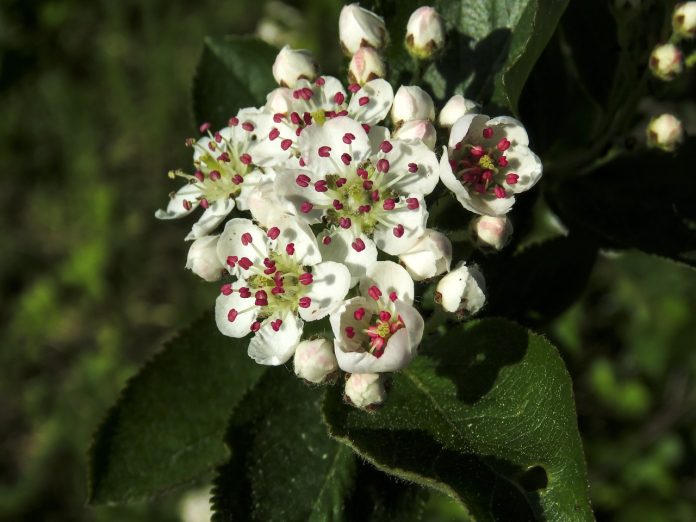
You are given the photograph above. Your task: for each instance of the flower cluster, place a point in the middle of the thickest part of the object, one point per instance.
(330, 187)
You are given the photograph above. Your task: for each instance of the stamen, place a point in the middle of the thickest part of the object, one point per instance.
(204, 127)
(386, 147)
(384, 316)
(511, 179)
(359, 314)
(389, 204)
(344, 222)
(358, 245)
(304, 302)
(303, 180)
(346, 158)
(348, 138)
(383, 165)
(232, 315)
(488, 133)
(324, 151)
(350, 332)
(245, 263)
(245, 159)
(354, 87)
(374, 292)
(412, 167)
(233, 122)
(393, 297)
(244, 292)
(276, 324)
(248, 126)
(412, 203)
(364, 101)
(232, 261)
(398, 230)
(255, 326)
(286, 144)
(321, 186)
(273, 134)
(499, 192)
(246, 238)
(306, 207)
(290, 249)
(226, 289)
(503, 145)
(273, 232)
(339, 98)
(306, 278)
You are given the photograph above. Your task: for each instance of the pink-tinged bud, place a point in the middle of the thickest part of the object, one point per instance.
(425, 33)
(366, 65)
(358, 27)
(365, 390)
(421, 130)
(684, 20)
(203, 260)
(292, 65)
(665, 132)
(412, 103)
(462, 291)
(490, 232)
(429, 257)
(315, 360)
(456, 107)
(666, 62)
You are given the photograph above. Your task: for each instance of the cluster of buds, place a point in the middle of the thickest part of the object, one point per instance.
(667, 59)
(329, 185)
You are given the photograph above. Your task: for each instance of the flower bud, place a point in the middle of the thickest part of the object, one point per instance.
(203, 260)
(666, 62)
(418, 130)
(430, 257)
(425, 33)
(366, 65)
(292, 65)
(315, 360)
(462, 291)
(365, 390)
(665, 132)
(456, 107)
(489, 232)
(358, 27)
(412, 103)
(684, 20)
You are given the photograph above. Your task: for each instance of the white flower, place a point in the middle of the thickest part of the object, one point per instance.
(229, 164)
(456, 107)
(203, 260)
(491, 231)
(365, 65)
(314, 360)
(280, 281)
(358, 27)
(379, 331)
(366, 193)
(421, 130)
(292, 65)
(365, 390)
(487, 161)
(425, 33)
(665, 132)
(684, 20)
(666, 62)
(412, 103)
(429, 257)
(462, 291)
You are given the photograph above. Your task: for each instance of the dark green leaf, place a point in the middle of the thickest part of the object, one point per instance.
(487, 416)
(169, 424)
(645, 201)
(284, 466)
(234, 72)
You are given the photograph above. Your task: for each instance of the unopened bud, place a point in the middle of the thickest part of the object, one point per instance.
(365, 390)
(425, 33)
(462, 291)
(315, 360)
(429, 257)
(490, 232)
(412, 103)
(203, 260)
(456, 107)
(358, 27)
(684, 20)
(666, 62)
(665, 132)
(418, 130)
(366, 65)
(292, 65)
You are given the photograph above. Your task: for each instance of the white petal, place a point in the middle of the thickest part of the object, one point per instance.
(344, 317)
(230, 244)
(380, 95)
(510, 128)
(526, 165)
(413, 222)
(330, 135)
(245, 308)
(324, 95)
(404, 153)
(175, 208)
(327, 291)
(377, 135)
(275, 348)
(293, 195)
(202, 259)
(264, 203)
(340, 249)
(211, 218)
(469, 122)
(294, 231)
(431, 256)
(388, 277)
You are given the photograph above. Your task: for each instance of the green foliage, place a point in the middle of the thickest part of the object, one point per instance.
(234, 72)
(486, 414)
(168, 426)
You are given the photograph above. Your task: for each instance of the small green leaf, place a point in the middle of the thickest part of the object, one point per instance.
(644, 201)
(234, 72)
(169, 424)
(284, 465)
(487, 416)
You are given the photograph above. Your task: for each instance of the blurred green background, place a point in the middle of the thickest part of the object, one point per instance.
(94, 105)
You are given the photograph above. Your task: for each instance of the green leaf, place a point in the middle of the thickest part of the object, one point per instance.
(234, 72)
(644, 201)
(284, 466)
(169, 424)
(487, 416)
